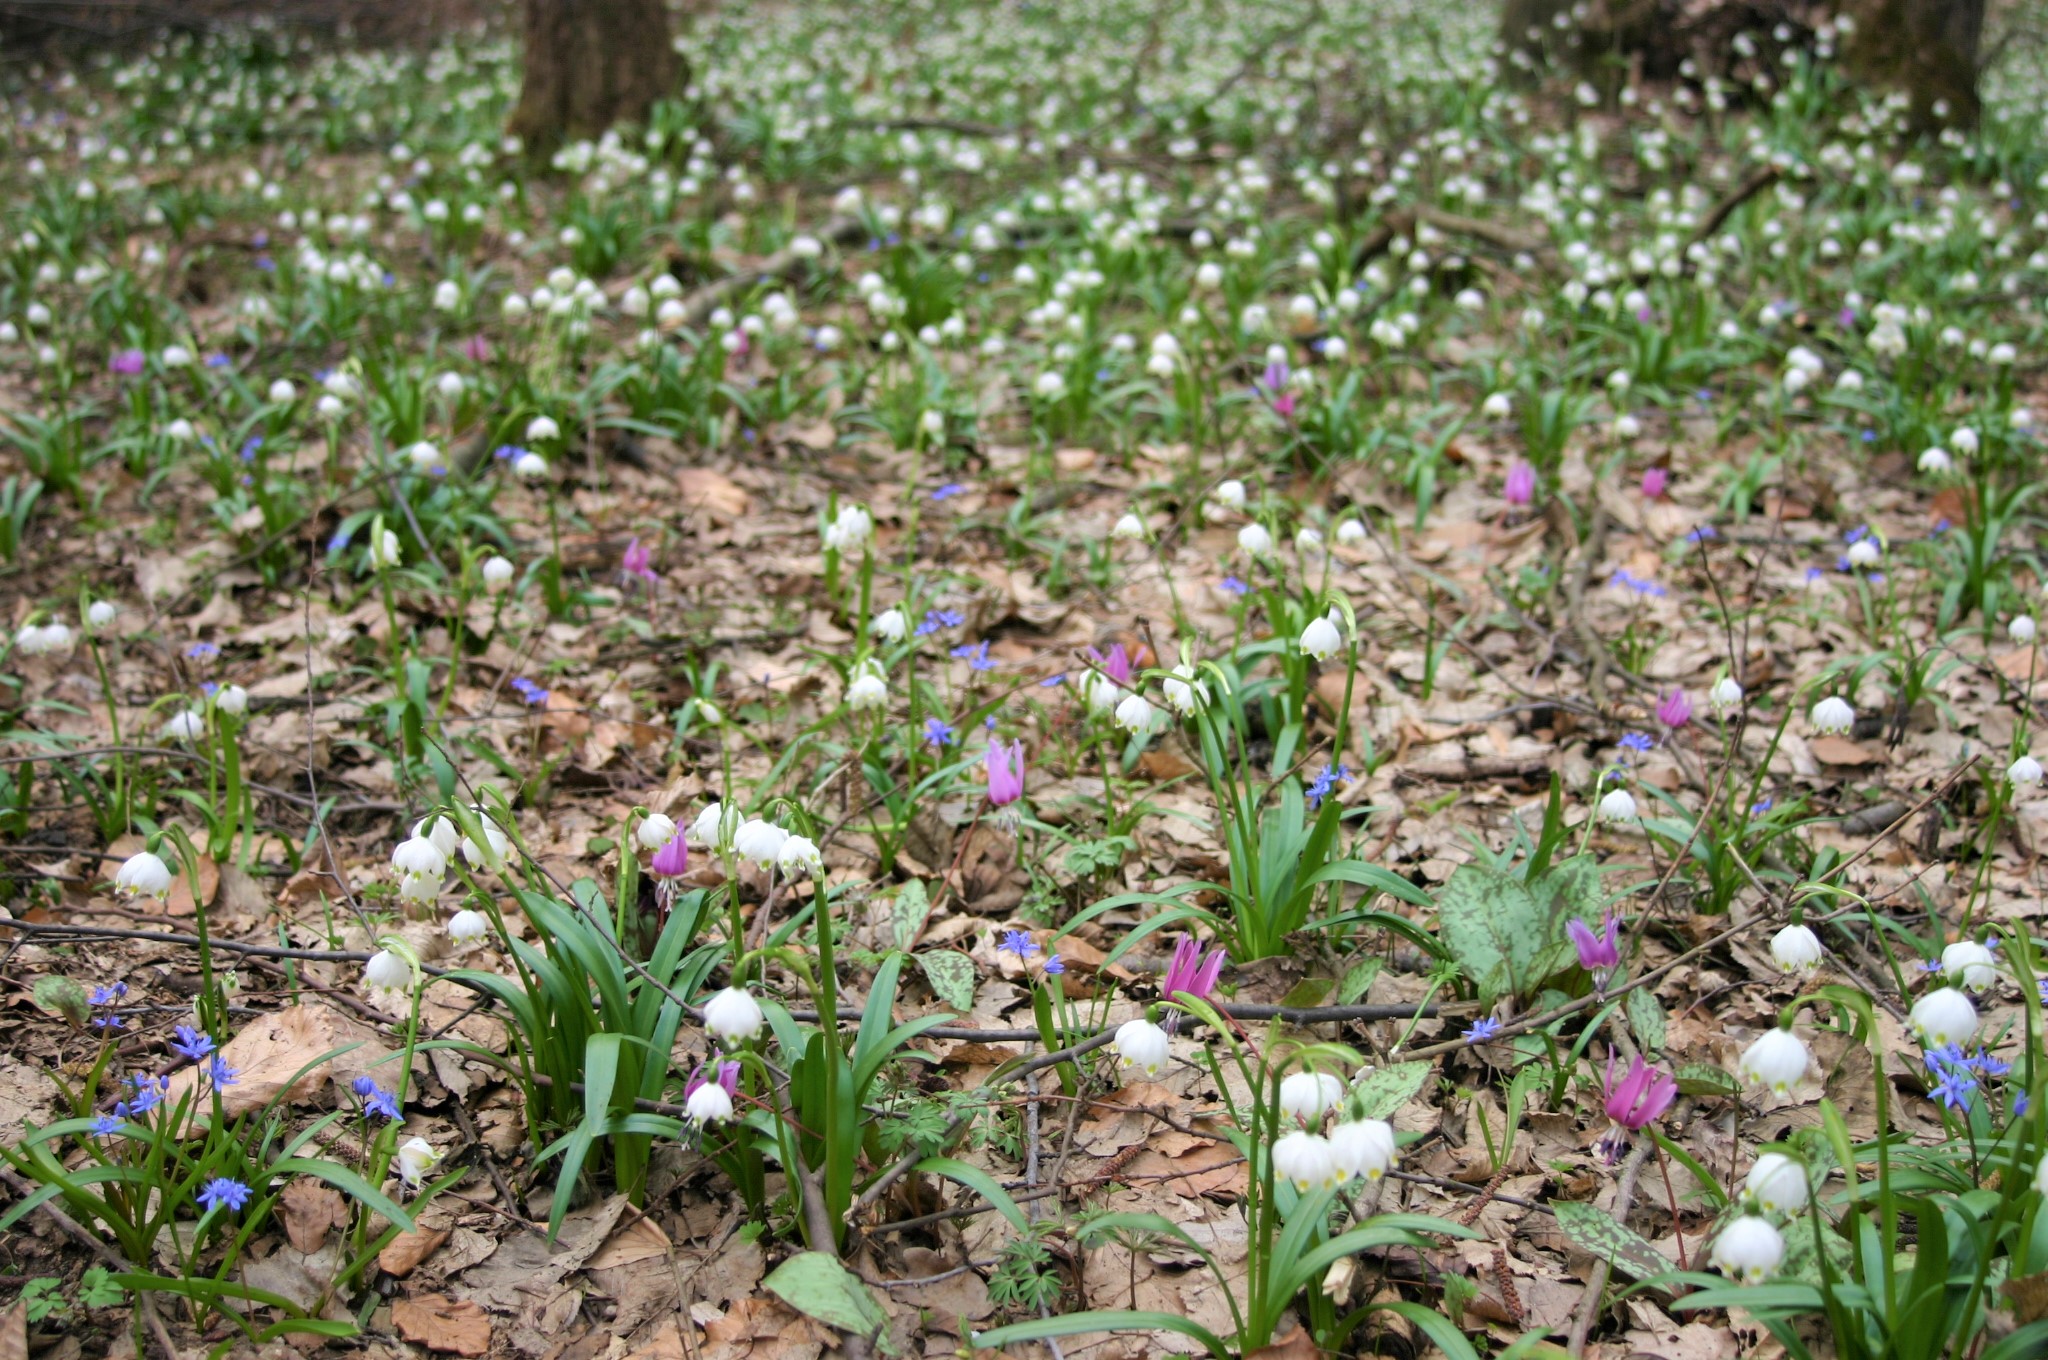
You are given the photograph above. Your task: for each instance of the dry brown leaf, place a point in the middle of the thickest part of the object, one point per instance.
(403, 1254)
(1840, 751)
(452, 1326)
(275, 1049)
(310, 1210)
(640, 1240)
(716, 494)
(1297, 1344)
(14, 1332)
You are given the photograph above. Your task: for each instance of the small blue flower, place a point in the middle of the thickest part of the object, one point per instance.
(1482, 1030)
(976, 657)
(1760, 807)
(106, 1126)
(1018, 942)
(1954, 1088)
(2020, 1102)
(1636, 741)
(1325, 780)
(949, 490)
(191, 1045)
(222, 1193)
(935, 619)
(1055, 965)
(217, 361)
(220, 1074)
(938, 733)
(1702, 534)
(202, 651)
(1052, 681)
(376, 1100)
(1232, 586)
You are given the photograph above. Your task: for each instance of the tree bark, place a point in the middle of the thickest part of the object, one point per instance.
(1928, 48)
(589, 64)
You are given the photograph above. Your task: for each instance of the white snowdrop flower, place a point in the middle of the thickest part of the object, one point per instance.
(37, 314)
(1497, 406)
(232, 700)
(1255, 540)
(1184, 692)
(799, 856)
(283, 391)
(1849, 380)
(386, 972)
(1776, 1184)
(654, 831)
(2024, 772)
(1134, 714)
(491, 854)
(442, 832)
(1617, 805)
(805, 247)
(1103, 692)
(733, 1016)
(849, 529)
(1306, 1160)
(1350, 533)
(671, 314)
(175, 356)
(1306, 1095)
(1864, 553)
(1796, 949)
(100, 614)
(1229, 494)
(1161, 366)
(1969, 965)
(1208, 276)
(530, 466)
(48, 639)
(932, 423)
(1143, 1045)
(1619, 380)
(1963, 440)
(714, 826)
(2003, 354)
(180, 430)
(187, 726)
(1627, 426)
(1776, 1060)
(421, 865)
(708, 1104)
(867, 691)
(760, 841)
(514, 307)
(542, 427)
(1832, 716)
(416, 1158)
(1749, 1250)
(1308, 542)
(1334, 349)
(2021, 629)
(465, 926)
(890, 625)
(1049, 385)
(1795, 381)
(143, 875)
(1725, 694)
(2022, 418)
(1364, 1147)
(384, 550)
(424, 455)
(1321, 639)
(329, 407)
(497, 572)
(1936, 461)
(447, 295)
(1129, 528)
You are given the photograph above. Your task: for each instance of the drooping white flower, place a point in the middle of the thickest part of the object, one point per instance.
(143, 875)
(849, 529)
(1832, 716)
(1749, 1250)
(498, 572)
(541, 428)
(491, 854)
(889, 625)
(386, 972)
(442, 831)
(799, 856)
(1725, 694)
(530, 466)
(1228, 494)
(421, 865)
(1944, 1016)
(1364, 1147)
(2021, 629)
(1497, 406)
(714, 826)
(282, 391)
(1306, 1095)
(2041, 1177)
(1184, 692)
(1129, 528)
(654, 831)
(1306, 1159)
(187, 726)
(417, 1157)
(100, 614)
(759, 841)
(465, 926)
(1936, 461)
(1969, 965)
(868, 690)
(1777, 1061)
(1796, 949)
(1350, 533)
(2024, 772)
(733, 1016)
(1134, 714)
(1321, 639)
(232, 700)
(1777, 1184)
(1617, 805)
(384, 550)
(1255, 540)
(708, 1104)
(1143, 1045)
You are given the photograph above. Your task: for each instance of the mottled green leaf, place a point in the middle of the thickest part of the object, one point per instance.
(1700, 1079)
(816, 1285)
(62, 996)
(1595, 1230)
(1495, 927)
(1646, 1019)
(907, 914)
(951, 976)
(1380, 1092)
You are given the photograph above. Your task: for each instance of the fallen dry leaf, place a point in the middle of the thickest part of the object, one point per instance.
(452, 1326)
(403, 1253)
(310, 1210)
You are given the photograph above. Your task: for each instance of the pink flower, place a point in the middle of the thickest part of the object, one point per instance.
(1005, 773)
(1598, 954)
(127, 362)
(728, 1077)
(1117, 665)
(1283, 406)
(1192, 972)
(1520, 487)
(639, 561)
(1655, 479)
(1642, 1095)
(673, 859)
(477, 350)
(1675, 710)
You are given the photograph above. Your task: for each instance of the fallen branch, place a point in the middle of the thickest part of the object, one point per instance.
(703, 301)
(1758, 181)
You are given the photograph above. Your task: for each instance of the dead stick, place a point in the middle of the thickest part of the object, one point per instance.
(1597, 1285)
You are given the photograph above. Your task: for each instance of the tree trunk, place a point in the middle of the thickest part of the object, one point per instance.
(1928, 48)
(589, 64)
